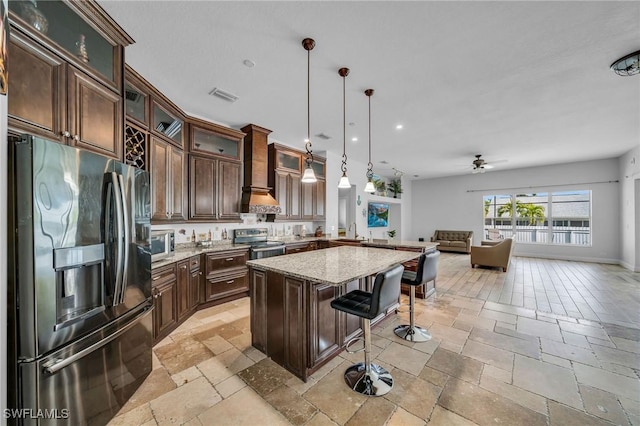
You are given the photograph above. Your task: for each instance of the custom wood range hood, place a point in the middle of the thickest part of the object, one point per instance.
(255, 194)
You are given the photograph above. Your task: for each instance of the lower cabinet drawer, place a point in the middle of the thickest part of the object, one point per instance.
(216, 261)
(226, 285)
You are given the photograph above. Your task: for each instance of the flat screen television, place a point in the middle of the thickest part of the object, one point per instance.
(378, 216)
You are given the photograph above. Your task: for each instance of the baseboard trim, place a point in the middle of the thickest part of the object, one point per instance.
(572, 258)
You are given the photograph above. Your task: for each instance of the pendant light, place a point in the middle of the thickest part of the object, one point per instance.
(344, 180)
(309, 176)
(369, 187)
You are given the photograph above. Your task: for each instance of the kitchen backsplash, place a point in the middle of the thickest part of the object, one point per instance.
(184, 231)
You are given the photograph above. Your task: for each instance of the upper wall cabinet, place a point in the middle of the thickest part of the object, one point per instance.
(136, 103)
(167, 122)
(66, 72)
(212, 140)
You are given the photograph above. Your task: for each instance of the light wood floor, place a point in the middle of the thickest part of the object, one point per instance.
(593, 291)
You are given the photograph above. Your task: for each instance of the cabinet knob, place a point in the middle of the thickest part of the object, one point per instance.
(66, 134)
(200, 273)
(183, 267)
(76, 137)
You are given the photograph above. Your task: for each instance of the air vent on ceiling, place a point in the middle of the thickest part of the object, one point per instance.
(323, 136)
(227, 96)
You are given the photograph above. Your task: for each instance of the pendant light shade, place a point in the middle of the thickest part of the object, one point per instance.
(344, 180)
(369, 187)
(309, 176)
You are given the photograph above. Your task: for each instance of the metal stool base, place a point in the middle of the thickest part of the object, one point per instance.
(412, 334)
(379, 382)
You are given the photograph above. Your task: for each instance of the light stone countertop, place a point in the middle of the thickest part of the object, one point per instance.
(335, 266)
(187, 252)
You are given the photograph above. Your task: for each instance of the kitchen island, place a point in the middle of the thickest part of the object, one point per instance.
(292, 320)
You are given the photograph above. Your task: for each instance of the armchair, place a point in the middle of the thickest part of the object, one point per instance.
(497, 255)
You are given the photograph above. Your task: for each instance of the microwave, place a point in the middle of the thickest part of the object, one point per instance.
(162, 244)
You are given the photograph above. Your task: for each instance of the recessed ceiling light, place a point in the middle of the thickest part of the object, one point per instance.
(249, 63)
(399, 126)
(354, 139)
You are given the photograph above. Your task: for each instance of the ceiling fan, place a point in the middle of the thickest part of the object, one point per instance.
(480, 165)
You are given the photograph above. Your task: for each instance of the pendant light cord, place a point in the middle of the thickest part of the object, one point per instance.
(309, 159)
(344, 121)
(369, 92)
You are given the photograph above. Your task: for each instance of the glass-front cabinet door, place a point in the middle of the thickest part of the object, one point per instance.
(215, 143)
(69, 34)
(135, 103)
(167, 124)
(288, 160)
(318, 168)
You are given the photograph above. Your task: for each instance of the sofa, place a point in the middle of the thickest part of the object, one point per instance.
(495, 255)
(458, 241)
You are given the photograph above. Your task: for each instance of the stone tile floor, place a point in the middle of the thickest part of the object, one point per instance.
(549, 342)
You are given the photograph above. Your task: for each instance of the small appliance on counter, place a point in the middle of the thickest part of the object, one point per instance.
(162, 244)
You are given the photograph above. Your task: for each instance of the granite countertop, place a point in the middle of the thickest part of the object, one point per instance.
(411, 244)
(182, 253)
(335, 266)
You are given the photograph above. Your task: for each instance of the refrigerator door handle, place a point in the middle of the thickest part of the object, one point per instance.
(58, 364)
(126, 238)
(117, 296)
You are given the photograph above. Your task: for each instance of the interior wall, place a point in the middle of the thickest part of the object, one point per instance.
(358, 179)
(629, 175)
(3, 258)
(456, 203)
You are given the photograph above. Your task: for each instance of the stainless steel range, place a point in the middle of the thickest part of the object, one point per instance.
(260, 246)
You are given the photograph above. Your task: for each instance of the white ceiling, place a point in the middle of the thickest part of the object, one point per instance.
(526, 82)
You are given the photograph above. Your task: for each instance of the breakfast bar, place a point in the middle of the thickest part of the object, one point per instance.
(292, 320)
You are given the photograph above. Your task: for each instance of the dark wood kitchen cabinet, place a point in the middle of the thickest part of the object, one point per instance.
(298, 201)
(164, 289)
(188, 286)
(168, 182)
(299, 247)
(214, 189)
(292, 320)
(59, 91)
(286, 187)
(215, 172)
(226, 276)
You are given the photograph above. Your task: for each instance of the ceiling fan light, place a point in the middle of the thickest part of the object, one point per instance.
(309, 176)
(344, 181)
(627, 65)
(369, 187)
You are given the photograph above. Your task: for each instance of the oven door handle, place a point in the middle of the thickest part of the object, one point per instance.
(259, 250)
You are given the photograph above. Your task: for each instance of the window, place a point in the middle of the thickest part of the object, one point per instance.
(540, 218)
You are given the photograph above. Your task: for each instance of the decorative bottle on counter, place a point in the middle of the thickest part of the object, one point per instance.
(193, 236)
(209, 235)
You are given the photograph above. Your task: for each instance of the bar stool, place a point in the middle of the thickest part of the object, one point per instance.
(364, 377)
(427, 271)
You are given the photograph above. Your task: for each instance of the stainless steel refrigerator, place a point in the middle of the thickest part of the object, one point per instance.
(80, 329)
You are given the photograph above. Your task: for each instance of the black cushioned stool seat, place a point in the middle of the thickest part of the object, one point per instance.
(427, 271)
(364, 377)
